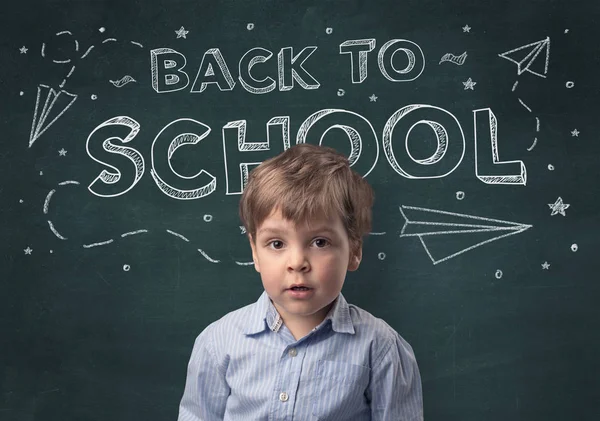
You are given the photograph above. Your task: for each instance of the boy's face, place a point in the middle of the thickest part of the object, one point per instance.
(317, 256)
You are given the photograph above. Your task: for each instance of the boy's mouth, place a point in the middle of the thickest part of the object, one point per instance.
(299, 287)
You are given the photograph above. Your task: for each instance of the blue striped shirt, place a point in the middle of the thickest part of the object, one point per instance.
(353, 366)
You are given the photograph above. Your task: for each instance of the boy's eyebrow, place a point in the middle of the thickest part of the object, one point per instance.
(272, 230)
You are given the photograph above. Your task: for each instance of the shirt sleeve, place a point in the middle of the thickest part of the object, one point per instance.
(206, 390)
(395, 388)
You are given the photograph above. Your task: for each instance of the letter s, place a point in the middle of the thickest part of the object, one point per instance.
(100, 145)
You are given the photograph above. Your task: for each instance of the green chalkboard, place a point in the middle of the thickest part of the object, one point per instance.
(128, 131)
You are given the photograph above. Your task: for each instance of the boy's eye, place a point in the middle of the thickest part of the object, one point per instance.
(321, 242)
(276, 244)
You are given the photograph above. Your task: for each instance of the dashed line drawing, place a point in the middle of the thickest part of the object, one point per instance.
(126, 234)
(89, 50)
(207, 257)
(55, 232)
(377, 233)
(558, 207)
(533, 145)
(433, 224)
(515, 85)
(525, 64)
(537, 124)
(454, 59)
(123, 81)
(524, 105)
(47, 201)
(178, 235)
(64, 183)
(137, 43)
(244, 263)
(102, 243)
(109, 40)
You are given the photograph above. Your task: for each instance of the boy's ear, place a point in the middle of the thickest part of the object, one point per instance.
(254, 256)
(355, 259)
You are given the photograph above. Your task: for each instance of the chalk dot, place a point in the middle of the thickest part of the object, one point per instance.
(566, 31)
(381, 256)
(460, 195)
(41, 172)
(570, 84)
(51, 251)
(20, 200)
(329, 31)
(208, 218)
(21, 93)
(126, 268)
(94, 97)
(551, 167)
(102, 29)
(250, 26)
(341, 92)
(574, 247)
(498, 274)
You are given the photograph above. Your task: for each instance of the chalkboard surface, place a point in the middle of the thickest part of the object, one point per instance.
(128, 131)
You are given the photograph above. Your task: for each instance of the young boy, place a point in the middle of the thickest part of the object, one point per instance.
(301, 352)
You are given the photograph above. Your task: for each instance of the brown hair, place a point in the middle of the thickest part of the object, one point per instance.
(306, 182)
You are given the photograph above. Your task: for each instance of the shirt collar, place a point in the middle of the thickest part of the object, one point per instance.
(265, 316)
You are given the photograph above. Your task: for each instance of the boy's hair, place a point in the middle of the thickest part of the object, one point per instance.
(306, 182)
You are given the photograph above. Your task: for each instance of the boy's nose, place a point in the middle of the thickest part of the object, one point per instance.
(298, 261)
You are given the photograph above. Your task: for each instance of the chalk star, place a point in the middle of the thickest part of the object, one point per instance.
(28, 250)
(23, 50)
(466, 28)
(558, 207)
(545, 265)
(575, 133)
(62, 152)
(373, 98)
(469, 84)
(181, 33)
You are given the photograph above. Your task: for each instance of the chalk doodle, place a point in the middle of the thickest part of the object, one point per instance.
(123, 81)
(429, 224)
(28, 250)
(575, 133)
(182, 33)
(451, 58)
(62, 152)
(469, 84)
(558, 207)
(526, 64)
(373, 98)
(54, 102)
(466, 28)
(23, 50)
(546, 266)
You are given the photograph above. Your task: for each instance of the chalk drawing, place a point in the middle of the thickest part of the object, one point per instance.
(546, 266)
(466, 28)
(575, 133)
(123, 81)
(182, 33)
(526, 64)
(427, 223)
(469, 84)
(373, 98)
(558, 207)
(28, 250)
(451, 58)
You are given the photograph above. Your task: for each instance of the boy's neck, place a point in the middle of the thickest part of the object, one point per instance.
(302, 326)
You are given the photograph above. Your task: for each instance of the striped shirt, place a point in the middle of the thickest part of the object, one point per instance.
(353, 366)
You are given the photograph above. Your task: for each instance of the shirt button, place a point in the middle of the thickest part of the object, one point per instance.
(293, 352)
(283, 397)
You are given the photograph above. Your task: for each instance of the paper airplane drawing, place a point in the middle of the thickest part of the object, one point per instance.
(445, 230)
(526, 57)
(55, 105)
